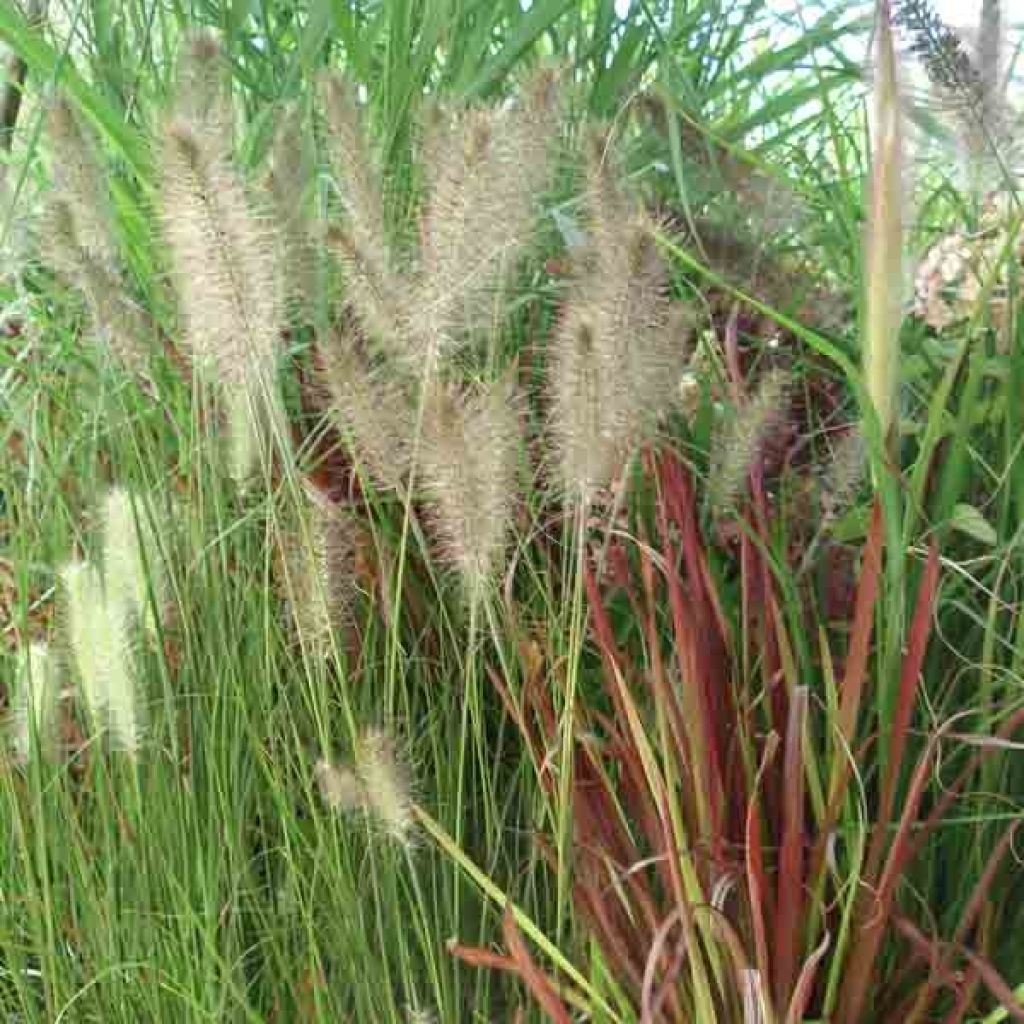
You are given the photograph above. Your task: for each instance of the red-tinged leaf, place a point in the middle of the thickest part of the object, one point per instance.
(980, 894)
(616, 937)
(514, 712)
(994, 982)
(664, 692)
(761, 910)
(926, 948)
(698, 694)
(732, 356)
(863, 621)
(651, 999)
(875, 905)
(951, 792)
(804, 987)
(917, 644)
(972, 911)
(964, 998)
(482, 958)
(539, 985)
(790, 895)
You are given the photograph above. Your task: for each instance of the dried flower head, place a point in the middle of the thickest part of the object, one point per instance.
(468, 463)
(288, 188)
(739, 443)
(377, 783)
(34, 702)
(233, 309)
(99, 636)
(621, 348)
(485, 170)
(372, 408)
(81, 183)
(319, 562)
(133, 565)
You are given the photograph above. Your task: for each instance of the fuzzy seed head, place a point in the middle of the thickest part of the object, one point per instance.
(233, 308)
(223, 256)
(133, 566)
(485, 170)
(340, 788)
(738, 446)
(202, 94)
(372, 408)
(99, 635)
(288, 188)
(843, 475)
(319, 561)
(620, 350)
(34, 703)
(386, 784)
(377, 783)
(81, 183)
(468, 463)
(123, 330)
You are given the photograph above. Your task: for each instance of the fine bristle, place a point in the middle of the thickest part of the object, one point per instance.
(133, 566)
(738, 444)
(81, 182)
(233, 309)
(288, 188)
(844, 474)
(202, 93)
(79, 242)
(485, 170)
(468, 467)
(386, 784)
(622, 346)
(34, 703)
(340, 788)
(375, 299)
(375, 288)
(319, 562)
(376, 783)
(99, 636)
(371, 408)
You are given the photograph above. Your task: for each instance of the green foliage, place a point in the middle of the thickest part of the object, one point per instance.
(731, 731)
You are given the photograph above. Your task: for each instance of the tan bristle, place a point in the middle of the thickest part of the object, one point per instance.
(486, 170)
(81, 182)
(202, 93)
(340, 788)
(288, 187)
(99, 635)
(319, 560)
(468, 462)
(738, 444)
(376, 289)
(372, 409)
(386, 784)
(34, 702)
(622, 347)
(376, 783)
(233, 309)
